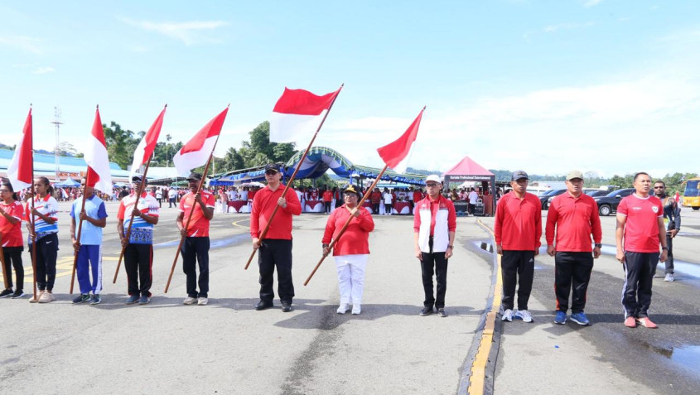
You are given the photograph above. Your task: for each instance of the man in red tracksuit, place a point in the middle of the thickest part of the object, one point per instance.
(518, 229)
(574, 217)
(276, 248)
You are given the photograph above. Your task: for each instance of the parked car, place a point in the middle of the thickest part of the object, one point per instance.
(608, 204)
(596, 192)
(545, 200)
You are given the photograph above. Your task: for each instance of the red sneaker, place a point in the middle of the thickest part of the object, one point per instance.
(647, 323)
(631, 322)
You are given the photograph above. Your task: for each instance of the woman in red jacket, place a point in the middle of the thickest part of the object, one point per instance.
(11, 213)
(351, 250)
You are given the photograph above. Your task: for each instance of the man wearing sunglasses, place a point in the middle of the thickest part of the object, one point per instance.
(672, 219)
(275, 250)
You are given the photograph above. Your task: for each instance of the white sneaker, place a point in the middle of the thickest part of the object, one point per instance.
(507, 315)
(343, 308)
(524, 315)
(189, 300)
(356, 309)
(669, 277)
(202, 301)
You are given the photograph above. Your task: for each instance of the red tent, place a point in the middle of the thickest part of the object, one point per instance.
(468, 170)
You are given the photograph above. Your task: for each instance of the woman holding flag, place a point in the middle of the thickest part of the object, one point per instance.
(11, 213)
(351, 251)
(45, 218)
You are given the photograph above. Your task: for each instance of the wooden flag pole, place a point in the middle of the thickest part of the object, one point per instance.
(80, 229)
(131, 221)
(4, 269)
(33, 222)
(342, 230)
(291, 179)
(189, 217)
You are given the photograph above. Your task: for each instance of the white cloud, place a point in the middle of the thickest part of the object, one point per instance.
(43, 70)
(25, 43)
(566, 26)
(189, 33)
(591, 3)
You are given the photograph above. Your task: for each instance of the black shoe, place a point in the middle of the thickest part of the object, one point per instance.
(18, 294)
(441, 313)
(286, 307)
(262, 305)
(5, 293)
(426, 311)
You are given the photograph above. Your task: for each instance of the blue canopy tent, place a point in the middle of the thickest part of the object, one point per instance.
(317, 162)
(67, 183)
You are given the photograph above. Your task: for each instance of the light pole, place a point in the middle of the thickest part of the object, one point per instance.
(57, 122)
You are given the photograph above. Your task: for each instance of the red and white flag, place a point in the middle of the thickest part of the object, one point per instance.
(396, 154)
(99, 174)
(21, 168)
(147, 145)
(197, 151)
(298, 114)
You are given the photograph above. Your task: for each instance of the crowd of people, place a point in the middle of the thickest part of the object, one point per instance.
(572, 232)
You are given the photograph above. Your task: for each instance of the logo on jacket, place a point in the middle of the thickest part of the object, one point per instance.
(654, 209)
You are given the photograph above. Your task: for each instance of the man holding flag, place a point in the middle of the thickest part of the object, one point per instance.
(199, 207)
(276, 247)
(138, 248)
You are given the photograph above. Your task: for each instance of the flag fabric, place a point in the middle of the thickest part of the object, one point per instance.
(197, 151)
(147, 145)
(298, 114)
(21, 168)
(99, 174)
(395, 154)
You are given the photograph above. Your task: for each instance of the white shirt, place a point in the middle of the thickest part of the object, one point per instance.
(473, 197)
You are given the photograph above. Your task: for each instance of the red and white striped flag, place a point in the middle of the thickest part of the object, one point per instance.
(99, 174)
(21, 168)
(298, 114)
(147, 145)
(197, 151)
(396, 154)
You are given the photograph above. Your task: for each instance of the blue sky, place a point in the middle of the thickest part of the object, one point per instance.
(545, 86)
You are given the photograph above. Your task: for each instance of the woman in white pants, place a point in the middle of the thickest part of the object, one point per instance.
(351, 250)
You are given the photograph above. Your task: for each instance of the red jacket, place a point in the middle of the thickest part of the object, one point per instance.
(264, 204)
(518, 225)
(355, 239)
(575, 220)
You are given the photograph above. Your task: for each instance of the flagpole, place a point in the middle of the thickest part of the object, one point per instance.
(342, 230)
(291, 179)
(189, 217)
(33, 219)
(80, 224)
(131, 221)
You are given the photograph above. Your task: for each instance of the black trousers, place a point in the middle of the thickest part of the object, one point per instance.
(669, 260)
(138, 262)
(13, 257)
(375, 208)
(46, 254)
(171, 202)
(471, 208)
(196, 250)
(639, 273)
(572, 269)
(517, 267)
(428, 261)
(276, 252)
(328, 207)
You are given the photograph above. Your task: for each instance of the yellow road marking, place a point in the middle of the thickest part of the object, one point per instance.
(236, 223)
(64, 267)
(478, 371)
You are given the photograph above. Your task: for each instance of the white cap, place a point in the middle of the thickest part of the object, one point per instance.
(434, 178)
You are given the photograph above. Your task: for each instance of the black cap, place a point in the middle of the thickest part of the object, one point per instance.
(137, 178)
(351, 189)
(272, 167)
(194, 177)
(519, 175)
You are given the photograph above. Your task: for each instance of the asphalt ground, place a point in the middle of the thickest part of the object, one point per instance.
(227, 347)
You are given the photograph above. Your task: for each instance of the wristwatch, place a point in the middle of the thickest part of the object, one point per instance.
(598, 245)
(664, 248)
(450, 246)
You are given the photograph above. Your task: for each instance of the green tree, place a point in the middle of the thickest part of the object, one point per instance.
(120, 144)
